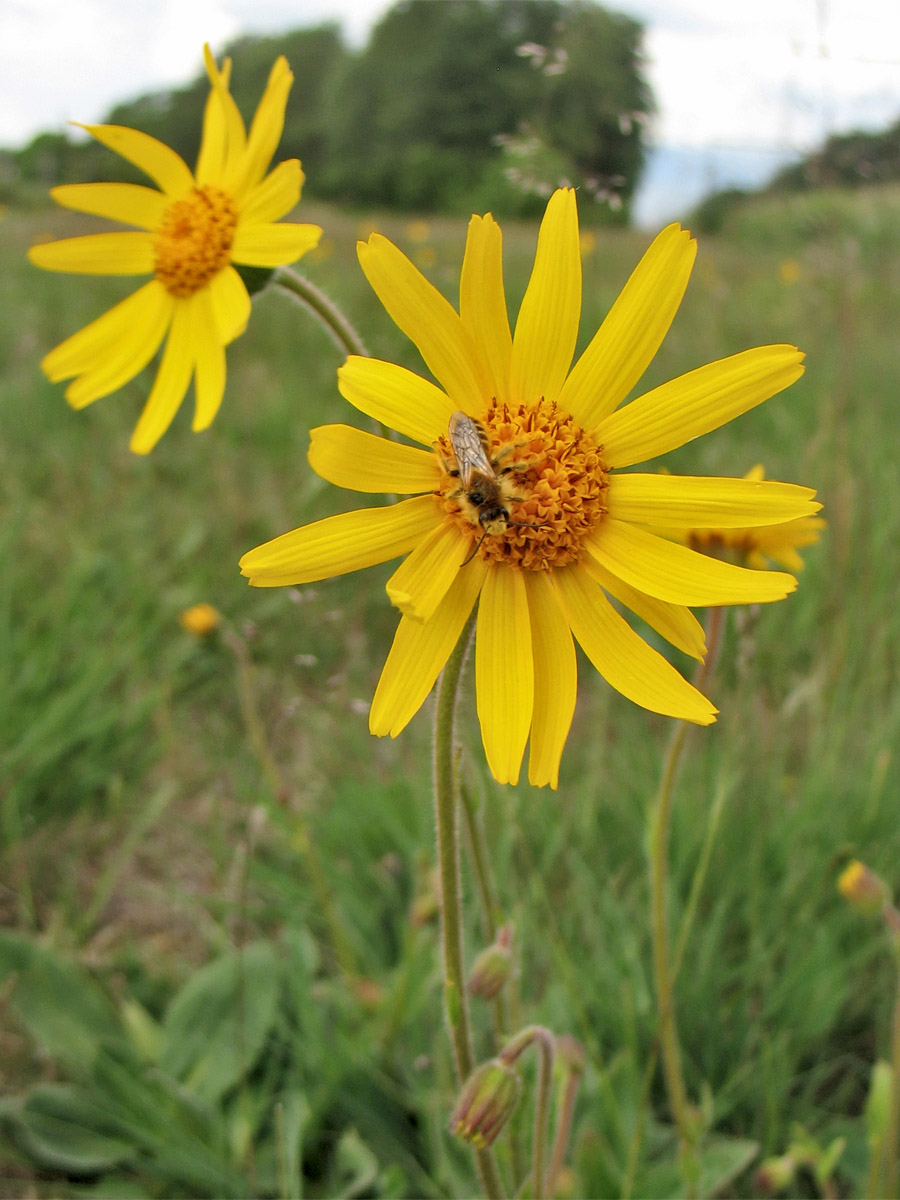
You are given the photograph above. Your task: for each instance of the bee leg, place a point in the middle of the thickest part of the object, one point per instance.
(475, 550)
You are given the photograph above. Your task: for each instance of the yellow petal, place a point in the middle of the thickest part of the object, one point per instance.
(97, 254)
(138, 332)
(149, 307)
(149, 155)
(555, 679)
(625, 660)
(696, 403)
(547, 325)
(338, 545)
(276, 195)
(675, 622)
(209, 372)
(350, 458)
(671, 572)
(482, 304)
(230, 304)
(172, 381)
(633, 331)
(419, 653)
(223, 128)
(265, 131)
(504, 671)
(273, 245)
(430, 321)
(396, 397)
(130, 203)
(424, 577)
(697, 502)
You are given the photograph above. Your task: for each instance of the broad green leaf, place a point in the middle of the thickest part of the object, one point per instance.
(63, 1130)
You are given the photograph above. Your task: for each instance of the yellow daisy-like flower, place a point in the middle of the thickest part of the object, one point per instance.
(192, 231)
(760, 546)
(568, 528)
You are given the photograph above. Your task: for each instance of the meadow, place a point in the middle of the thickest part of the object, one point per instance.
(219, 967)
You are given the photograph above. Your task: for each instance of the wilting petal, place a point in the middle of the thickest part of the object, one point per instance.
(555, 679)
(396, 397)
(625, 660)
(350, 458)
(697, 502)
(504, 671)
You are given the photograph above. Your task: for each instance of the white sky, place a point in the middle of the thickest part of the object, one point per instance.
(766, 73)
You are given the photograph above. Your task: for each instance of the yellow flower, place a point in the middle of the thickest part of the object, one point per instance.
(191, 232)
(758, 546)
(571, 527)
(200, 619)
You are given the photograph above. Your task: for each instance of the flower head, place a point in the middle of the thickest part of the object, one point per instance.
(523, 506)
(200, 619)
(192, 231)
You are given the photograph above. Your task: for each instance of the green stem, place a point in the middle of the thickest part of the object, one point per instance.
(892, 1137)
(546, 1046)
(318, 303)
(447, 826)
(563, 1129)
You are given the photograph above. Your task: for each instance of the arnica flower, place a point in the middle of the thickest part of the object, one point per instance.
(758, 546)
(576, 539)
(192, 232)
(200, 619)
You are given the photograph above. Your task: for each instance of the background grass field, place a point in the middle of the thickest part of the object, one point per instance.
(144, 838)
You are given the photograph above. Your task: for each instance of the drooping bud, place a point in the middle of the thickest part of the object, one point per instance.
(485, 1104)
(863, 889)
(493, 966)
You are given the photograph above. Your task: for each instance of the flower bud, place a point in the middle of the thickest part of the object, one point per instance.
(776, 1174)
(487, 1099)
(200, 619)
(863, 889)
(492, 968)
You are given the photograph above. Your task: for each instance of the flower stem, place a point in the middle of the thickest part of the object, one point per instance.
(892, 1137)
(446, 820)
(510, 1052)
(318, 303)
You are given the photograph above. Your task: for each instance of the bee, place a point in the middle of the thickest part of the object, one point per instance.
(481, 478)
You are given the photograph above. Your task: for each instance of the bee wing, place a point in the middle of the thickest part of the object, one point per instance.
(467, 443)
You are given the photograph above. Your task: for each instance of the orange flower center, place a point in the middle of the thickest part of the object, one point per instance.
(545, 490)
(193, 243)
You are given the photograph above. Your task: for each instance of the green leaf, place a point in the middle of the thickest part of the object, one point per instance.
(215, 1028)
(722, 1159)
(62, 1129)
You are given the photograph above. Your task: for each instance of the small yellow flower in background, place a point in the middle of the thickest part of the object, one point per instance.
(566, 527)
(418, 231)
(200, 619)
(587, 243)
(759, 546)
(192, 231)
(789, 271)
(863, 889)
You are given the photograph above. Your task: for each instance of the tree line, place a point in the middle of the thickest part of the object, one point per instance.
(451, 106)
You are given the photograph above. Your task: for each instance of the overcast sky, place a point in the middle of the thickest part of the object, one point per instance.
(768, 75)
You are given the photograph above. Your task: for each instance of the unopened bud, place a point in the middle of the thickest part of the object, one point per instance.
(492, 968)
(863, 889)
(776, 1174)
(487, 1099)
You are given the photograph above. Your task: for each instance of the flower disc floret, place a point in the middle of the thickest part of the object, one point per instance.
(552, 479)
(193, 242)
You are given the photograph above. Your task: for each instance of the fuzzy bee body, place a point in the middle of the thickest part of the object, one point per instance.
(481, 482)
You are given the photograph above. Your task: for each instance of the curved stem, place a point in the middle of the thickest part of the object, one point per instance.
(546, 1047)
(446, 821)
(318, 303)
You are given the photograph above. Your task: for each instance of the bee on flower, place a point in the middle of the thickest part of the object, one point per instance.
(193, 229)
(572, 530)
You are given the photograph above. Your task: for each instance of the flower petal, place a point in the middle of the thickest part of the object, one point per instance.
(675, 622)
(172, 380)
(149, 155)
(396, 397)
(697, 502)
(265, 130)
(340, 544)
(482, 304)
(555, 679)
(131, 341)
(97, 254)
(504, 671)
(424, 577)
(427, 319)
(350, 458)
(547, 325)
(419, 653)
(130, 203)
(88, 349)
(671, 572)
(224, 138)
(634, 328)
(273, 245)
(209, 371)
(230, 304)
(275, 195)
(623, 658)
(696, 403)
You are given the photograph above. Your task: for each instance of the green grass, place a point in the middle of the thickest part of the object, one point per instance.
(141, 840)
